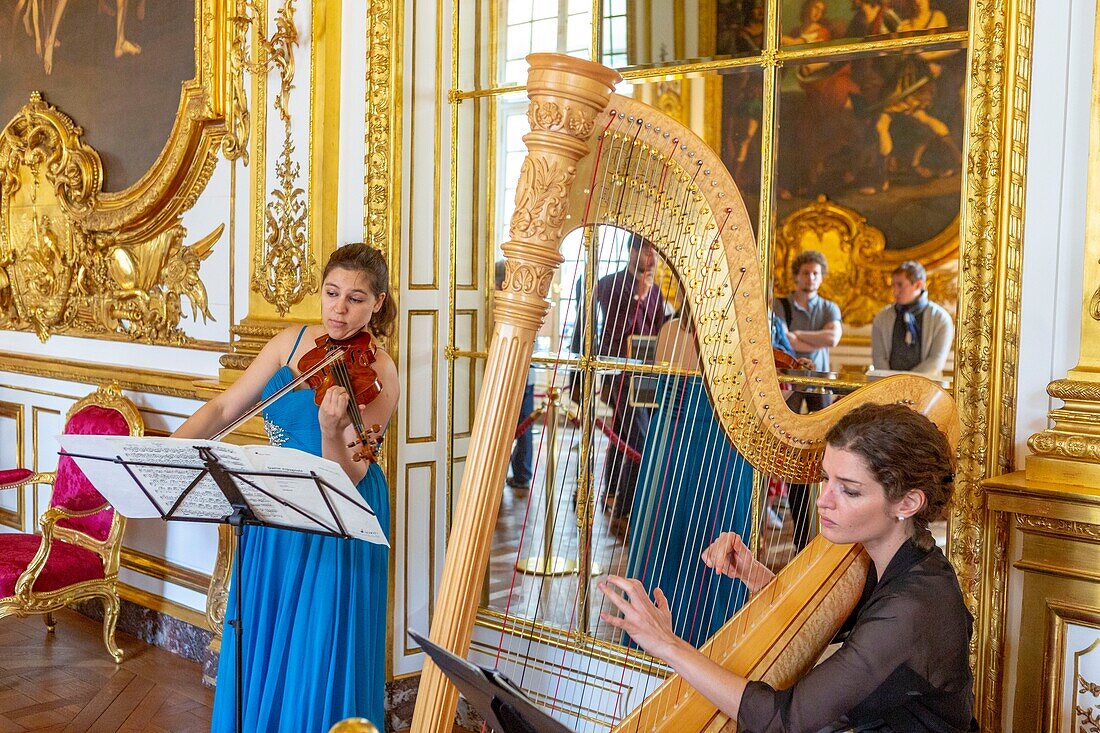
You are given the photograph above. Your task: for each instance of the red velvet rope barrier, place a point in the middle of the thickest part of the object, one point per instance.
(621, 445)
(524, 426)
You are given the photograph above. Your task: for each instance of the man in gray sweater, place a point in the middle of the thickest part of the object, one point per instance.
(914, 334)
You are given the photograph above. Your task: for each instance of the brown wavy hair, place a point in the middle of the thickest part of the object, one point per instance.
(904, 451)
(360, 257)
(807, 256)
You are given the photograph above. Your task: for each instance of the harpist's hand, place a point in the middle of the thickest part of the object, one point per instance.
(729, 555)
(649, 624)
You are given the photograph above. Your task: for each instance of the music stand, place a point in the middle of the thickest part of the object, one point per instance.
(209, 482)
(496, 699)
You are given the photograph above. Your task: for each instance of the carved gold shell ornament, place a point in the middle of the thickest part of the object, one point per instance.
(58, 274)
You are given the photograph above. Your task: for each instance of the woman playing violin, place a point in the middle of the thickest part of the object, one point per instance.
(315, 606)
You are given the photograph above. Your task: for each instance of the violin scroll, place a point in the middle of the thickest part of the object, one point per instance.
(371, 441)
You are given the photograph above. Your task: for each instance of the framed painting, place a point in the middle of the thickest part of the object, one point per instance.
(114, 112)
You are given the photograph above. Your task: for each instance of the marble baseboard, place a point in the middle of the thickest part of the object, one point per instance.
(401, 699)
(152, 627)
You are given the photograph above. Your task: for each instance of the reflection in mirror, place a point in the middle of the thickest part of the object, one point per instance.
(824, 21)
(724, 108)
(639, 33)
(869, 174)
(620, 464)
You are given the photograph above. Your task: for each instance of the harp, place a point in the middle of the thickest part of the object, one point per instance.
(596, 158)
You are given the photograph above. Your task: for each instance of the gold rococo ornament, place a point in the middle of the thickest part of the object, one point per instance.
(57, 275)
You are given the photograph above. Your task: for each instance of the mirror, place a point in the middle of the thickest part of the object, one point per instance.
(620, 463)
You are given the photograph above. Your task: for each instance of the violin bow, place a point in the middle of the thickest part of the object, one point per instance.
(333, 357)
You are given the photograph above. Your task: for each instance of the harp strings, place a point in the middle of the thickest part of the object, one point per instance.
(644, 187)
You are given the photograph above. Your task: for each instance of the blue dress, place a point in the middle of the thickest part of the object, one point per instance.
(314, 608)
(693, 485)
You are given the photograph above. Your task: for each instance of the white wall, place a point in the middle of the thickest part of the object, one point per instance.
(1054, 218)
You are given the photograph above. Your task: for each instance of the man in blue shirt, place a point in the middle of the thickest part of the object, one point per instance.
(813, 322)
(813, 327)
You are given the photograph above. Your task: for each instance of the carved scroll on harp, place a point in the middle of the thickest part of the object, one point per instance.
(673, 178)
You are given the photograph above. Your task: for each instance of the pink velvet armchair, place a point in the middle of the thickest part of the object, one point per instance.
(76, 556)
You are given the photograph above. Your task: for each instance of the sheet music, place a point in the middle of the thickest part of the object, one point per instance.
(291, 501)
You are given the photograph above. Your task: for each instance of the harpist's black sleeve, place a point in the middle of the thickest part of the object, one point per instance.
(903, 667)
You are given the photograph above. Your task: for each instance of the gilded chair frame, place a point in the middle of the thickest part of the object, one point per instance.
(26, 601)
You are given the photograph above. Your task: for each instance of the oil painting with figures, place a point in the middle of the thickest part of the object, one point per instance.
(866, 142)
(114, 66)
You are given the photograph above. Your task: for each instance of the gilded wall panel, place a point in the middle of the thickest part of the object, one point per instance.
(11, 435)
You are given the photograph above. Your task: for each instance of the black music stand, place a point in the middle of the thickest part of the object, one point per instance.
(224, 484)
(496, 699)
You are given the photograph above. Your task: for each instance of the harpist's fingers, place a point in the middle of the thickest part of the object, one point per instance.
(616, 621)
(620, 602)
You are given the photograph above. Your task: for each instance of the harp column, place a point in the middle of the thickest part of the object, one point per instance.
(567, 96)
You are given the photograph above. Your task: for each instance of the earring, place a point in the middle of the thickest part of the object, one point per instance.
(901, 518)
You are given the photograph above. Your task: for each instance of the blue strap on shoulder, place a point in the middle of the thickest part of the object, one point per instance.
(295, 347)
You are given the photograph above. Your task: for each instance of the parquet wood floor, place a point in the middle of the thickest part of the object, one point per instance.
(65, 682)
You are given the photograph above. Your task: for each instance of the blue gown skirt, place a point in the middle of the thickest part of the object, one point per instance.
(314, 608)
(693, 485)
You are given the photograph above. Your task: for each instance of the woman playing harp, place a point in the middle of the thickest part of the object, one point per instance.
(605, 161)
(903, 664)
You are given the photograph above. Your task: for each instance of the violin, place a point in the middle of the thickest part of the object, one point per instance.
(783, 360)
(347, 363)
(355, 374)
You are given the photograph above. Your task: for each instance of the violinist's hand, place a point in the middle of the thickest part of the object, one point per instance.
(729, 555)
(649, 624)
(333, 411)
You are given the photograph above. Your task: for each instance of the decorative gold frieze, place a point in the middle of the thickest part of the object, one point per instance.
(58, 275)
(284, 270)
(1058, 527)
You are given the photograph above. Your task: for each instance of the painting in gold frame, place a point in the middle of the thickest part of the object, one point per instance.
(116, 67)
(123, 252)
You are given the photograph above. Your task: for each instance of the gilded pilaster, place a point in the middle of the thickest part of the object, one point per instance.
(987, 341)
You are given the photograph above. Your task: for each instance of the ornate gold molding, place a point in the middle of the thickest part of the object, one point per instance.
(58, 274)
(382, 136)
(284, 270)
(987, 339)
(1058, 527)
(147, 381)
(82, 261)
